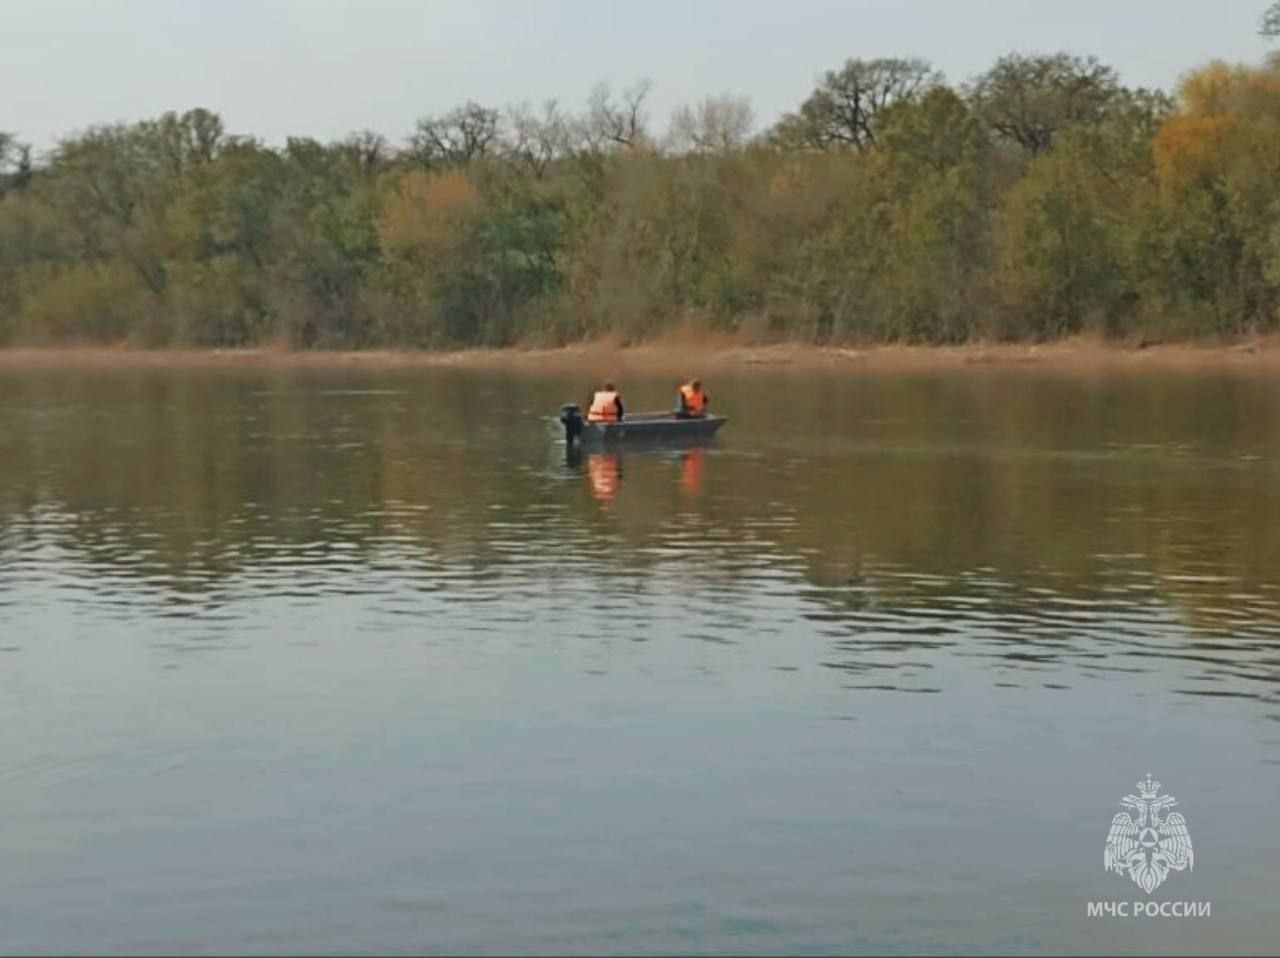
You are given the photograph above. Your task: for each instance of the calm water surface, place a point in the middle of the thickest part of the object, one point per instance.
(303, 661)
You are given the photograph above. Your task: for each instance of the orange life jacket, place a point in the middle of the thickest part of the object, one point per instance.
(604, 407)
(695, 400)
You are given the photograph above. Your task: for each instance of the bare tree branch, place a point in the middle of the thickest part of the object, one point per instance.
(1270, 25)
(456, 138)
(367, 151)
(621, 123)
(842, 110)
(717, 124)
(535, 141)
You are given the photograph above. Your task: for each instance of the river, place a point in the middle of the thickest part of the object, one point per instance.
(317, 661)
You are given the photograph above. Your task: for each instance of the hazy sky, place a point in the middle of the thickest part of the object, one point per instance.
(326, 67)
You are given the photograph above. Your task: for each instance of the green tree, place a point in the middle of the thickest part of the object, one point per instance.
(323, 245)
(938, 130)
(182, 142)
(1060, 262)
(842, 110)
(502, 269)
(1028, 100)
(221, 220)
(113, 185)
(938, 194)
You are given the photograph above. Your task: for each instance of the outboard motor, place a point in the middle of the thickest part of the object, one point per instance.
(571, 419)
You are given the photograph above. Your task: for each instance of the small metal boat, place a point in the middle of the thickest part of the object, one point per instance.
(650, 426)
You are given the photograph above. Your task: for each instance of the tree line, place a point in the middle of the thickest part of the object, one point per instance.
(1039, 199)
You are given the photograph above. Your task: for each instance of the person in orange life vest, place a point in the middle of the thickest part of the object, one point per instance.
(693, 401)
(606, 405)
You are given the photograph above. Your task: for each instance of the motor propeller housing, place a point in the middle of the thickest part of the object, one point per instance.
(571, 419)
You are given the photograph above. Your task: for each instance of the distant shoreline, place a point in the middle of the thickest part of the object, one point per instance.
(682, 358)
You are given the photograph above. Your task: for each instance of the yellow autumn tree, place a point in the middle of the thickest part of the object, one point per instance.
(1210, 242)
(426, 213)
(1212, 89)
(1222, 88)
(1220, 106)
(1189, 147)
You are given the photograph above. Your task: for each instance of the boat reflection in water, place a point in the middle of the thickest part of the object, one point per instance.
(653, 432)
(604, 467)
(693, 463)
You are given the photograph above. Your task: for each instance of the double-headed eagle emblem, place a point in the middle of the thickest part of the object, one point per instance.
(1143, 843)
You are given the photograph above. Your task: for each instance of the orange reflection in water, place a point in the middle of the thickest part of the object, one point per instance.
(605, 473)
(693, 462)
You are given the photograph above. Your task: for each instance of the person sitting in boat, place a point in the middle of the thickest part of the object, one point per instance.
(606, 405)
(693, 401)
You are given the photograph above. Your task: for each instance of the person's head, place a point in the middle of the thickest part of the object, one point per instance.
(696, 384)
(610, 387)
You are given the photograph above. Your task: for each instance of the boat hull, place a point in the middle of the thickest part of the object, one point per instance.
(642, 427)
(653, 428)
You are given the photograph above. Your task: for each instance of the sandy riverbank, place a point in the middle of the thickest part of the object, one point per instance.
(684, 357)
